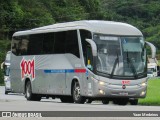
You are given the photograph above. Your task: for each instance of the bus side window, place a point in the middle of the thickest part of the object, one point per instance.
(59, 42)
(24, 45)
(20, 45)
(48, 43)
(35, 45)
(71, 43)
(15, 45)
(6, 71)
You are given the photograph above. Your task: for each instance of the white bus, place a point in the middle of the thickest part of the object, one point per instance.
(6, 68)
(75, 61)
(152, 67)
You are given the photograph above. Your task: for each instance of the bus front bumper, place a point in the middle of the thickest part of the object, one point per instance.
(127, 91)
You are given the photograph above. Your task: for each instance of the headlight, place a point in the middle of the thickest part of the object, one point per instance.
(101, 83)
(98, 81)
(143, 93)
(5, 79)
(101, 92)
(92, 78)
(143, 84)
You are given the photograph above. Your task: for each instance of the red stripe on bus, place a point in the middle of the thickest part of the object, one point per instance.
(80, 70)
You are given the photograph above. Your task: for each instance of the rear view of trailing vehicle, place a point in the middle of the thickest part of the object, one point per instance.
(7, 73)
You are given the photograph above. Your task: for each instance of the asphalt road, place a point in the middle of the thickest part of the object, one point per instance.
(17, 102)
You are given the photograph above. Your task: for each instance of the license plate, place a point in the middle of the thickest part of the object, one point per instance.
(124, 93)
(126, 82)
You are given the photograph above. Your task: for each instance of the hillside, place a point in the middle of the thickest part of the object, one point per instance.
(144, 14)
(23, 14)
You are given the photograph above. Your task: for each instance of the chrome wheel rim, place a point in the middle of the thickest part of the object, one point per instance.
(77, 93)
(28, 91)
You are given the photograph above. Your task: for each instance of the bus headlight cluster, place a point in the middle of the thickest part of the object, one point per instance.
(101, 83)
(143, 84)
(98, 81)
(143, 93)
(101, 92)
(5, 79)
(92, 78)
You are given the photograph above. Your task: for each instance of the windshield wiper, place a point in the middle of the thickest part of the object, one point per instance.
(114, 66)
(132, 66)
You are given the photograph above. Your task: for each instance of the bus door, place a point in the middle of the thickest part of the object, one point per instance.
(89, 65)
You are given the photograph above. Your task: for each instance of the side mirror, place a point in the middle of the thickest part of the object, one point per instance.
(153, 49)
(93, 46)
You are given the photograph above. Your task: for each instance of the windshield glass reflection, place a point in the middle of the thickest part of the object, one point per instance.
(120, 56)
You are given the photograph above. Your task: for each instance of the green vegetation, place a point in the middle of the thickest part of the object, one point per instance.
(153, 93)
(16, 15)
(159, 62)
(144, 14)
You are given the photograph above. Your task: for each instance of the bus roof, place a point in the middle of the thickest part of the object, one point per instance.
(97, 26)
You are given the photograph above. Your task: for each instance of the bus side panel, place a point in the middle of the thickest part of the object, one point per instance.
(75, 72)
(49, 74)
(15, 74)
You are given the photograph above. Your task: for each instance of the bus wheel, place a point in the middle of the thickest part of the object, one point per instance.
(67, 99)
(105, 101)
(115, 101)
(123, 101)
(29, 95)
(77, 95)
(6, 92)
(134, 102)
(89, 101)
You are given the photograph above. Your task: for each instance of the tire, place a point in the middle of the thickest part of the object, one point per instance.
(122, 102)
(134, 102)
(88, 101)
(29, 95)
(6, 92)
(115, 101)
(105, 101)
(77, 98)
(67, 99)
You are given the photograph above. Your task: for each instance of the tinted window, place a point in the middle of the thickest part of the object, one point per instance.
(35, 46)
(46, 43)
(20, 45)
(84, 35)
(59, 45)
(15, 42)
(72, 43)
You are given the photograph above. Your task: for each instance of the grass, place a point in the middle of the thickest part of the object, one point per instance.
(153, 93)
(158, 62)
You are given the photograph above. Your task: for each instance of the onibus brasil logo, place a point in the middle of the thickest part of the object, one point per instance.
(27, 68)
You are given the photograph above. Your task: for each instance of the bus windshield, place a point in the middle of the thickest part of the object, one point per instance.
(120, 56)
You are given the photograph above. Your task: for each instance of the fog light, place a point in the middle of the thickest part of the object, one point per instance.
(101, 91)
(142, 93)
(143, 84)
(101, 83)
